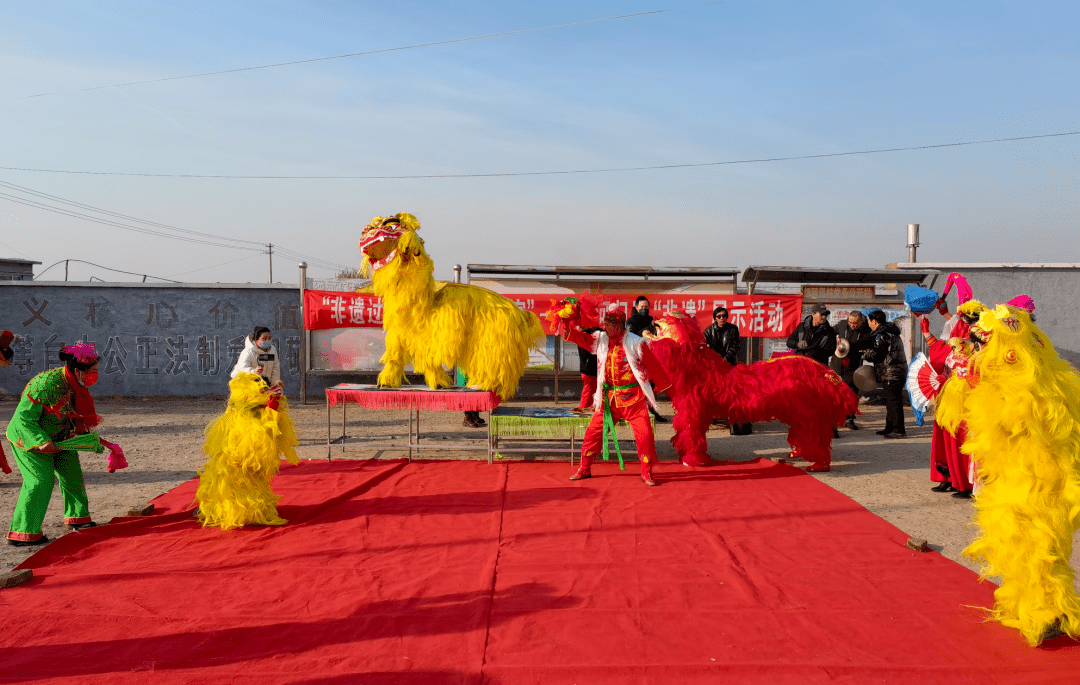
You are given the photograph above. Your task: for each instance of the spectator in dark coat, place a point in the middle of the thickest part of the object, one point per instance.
(814, 337)
(637, 323)
(723, 338)
(640, 320)
(887, 355)
(856, 331)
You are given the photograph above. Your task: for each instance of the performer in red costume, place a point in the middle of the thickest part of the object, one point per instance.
(625, 367)
(950, 467)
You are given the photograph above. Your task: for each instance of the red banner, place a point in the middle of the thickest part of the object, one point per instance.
(334, 309)
(757, 316)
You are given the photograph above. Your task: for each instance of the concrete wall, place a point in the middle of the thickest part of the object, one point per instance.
(153, 339)
(167, 340)
(1055, 289)
(161, 339)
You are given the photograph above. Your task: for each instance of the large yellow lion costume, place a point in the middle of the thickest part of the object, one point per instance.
(245, 445)
(1021, 402)
(440, 325)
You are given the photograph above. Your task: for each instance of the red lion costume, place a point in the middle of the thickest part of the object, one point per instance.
(797, 391)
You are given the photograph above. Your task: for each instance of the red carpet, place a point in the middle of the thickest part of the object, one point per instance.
(460, 572)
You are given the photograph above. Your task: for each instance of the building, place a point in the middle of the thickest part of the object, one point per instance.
(17, 269)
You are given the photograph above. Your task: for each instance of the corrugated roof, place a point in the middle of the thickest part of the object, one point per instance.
(957, 266)
(686, 273)
(803, 274)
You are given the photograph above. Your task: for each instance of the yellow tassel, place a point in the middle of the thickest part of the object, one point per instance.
(1023, 423)
(244, 446)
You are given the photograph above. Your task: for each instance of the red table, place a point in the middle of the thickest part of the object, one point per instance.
(413, 398)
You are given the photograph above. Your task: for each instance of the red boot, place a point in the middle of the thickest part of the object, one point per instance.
(646, 470)
(582, 473)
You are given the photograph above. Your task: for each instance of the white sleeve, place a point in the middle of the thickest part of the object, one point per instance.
(247, 362)
(947, 329)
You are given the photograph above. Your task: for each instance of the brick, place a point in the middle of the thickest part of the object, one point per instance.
(13, 578)
(918, 544)
(144, 510)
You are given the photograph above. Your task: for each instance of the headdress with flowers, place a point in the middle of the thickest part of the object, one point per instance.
(82, 351)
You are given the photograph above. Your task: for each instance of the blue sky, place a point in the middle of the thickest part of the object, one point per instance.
(735, 80)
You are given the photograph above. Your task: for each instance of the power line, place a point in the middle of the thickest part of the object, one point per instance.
(314, 261)
(107, 268)
(502, 34)
(14, 250)
(759, 160)
(214, 266)
(109, 222)
(297, 255)
(139, 229)
(56, 198)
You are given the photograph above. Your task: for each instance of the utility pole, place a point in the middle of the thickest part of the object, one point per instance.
(271, 246)
(305, 337)
(66, 261)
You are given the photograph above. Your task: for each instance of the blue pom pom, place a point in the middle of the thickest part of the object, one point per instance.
(920, 300)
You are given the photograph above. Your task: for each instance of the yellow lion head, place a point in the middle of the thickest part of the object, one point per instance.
(247, 392)
(1005, 339)
(391, 247)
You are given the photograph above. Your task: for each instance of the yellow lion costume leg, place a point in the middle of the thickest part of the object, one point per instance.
(1023, 422)
(244, 446)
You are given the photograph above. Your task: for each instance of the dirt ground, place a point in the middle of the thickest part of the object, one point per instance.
(163, 438)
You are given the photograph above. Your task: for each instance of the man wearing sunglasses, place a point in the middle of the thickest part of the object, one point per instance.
(722, 337)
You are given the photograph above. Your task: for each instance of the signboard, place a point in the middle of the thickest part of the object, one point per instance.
(764, 316)
(838, 293)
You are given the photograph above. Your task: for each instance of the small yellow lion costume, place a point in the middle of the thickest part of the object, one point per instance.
(245, 445)
(440, 325)
(1021, 402)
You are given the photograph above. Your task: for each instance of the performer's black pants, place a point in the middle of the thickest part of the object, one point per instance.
(894, 406)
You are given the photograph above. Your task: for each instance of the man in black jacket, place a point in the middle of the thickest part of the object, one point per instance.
(887, 355)
(722, 338)
(857, 333)
(814, 337)
(638, 322)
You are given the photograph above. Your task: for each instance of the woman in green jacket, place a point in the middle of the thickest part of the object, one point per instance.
(54, 407)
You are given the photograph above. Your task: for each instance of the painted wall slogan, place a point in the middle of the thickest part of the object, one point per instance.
(153, 340)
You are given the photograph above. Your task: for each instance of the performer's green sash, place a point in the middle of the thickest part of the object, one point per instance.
(87, 442)
(609, 424)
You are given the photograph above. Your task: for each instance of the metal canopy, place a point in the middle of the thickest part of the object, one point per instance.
(682, 273)
(799, 274)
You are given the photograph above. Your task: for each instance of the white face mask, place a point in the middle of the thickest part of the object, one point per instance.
(264, 344)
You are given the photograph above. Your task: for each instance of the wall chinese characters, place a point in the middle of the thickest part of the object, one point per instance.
(36, 314)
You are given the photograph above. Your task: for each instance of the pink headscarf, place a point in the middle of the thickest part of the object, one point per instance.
(1023, 302)
(83, 352)
(963, 290)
